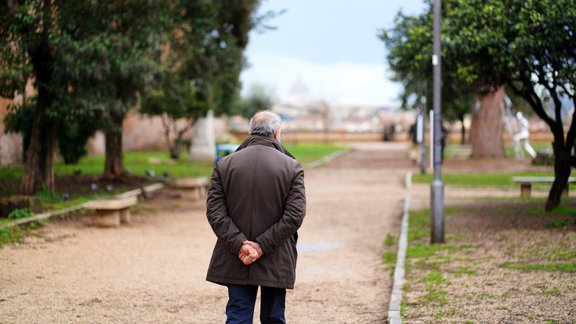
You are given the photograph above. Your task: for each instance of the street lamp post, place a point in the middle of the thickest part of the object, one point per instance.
(437, 186)
(422, 118)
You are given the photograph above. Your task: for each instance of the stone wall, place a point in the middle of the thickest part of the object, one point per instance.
(142, 133)
(10, 144)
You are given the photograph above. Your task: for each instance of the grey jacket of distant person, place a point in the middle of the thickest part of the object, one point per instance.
(257, 193)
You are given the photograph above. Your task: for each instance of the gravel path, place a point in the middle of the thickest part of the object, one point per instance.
(153, 270)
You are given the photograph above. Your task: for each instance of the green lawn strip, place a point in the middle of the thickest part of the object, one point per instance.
(510, 151)
(138, 163)
(429, 259)
(310, 152)
(158, 161)
(4, 221)
(498, 180)
(457, 150)
(10, 236)
(546, 267)
(390, 253)
(562, 253)
(51, 203)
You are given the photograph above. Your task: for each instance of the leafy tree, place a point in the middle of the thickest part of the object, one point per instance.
(88, 60)
(527, 46)
(409, 44)
(115, 54)
(26, 31)
(201, 63)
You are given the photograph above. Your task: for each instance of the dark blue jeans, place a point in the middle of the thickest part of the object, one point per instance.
(240, 307)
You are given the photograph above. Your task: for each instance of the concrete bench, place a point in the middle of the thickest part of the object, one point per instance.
(192, 188)
(112, 212)
(526, 184)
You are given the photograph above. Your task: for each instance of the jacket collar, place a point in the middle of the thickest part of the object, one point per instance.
(266, 141)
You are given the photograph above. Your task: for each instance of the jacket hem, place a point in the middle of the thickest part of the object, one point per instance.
(265, 283)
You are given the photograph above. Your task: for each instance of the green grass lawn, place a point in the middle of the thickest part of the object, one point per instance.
(457, 150)
(498, 180)
(309, 152)
(509, 151)
(138, 162)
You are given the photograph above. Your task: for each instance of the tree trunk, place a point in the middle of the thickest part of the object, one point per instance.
(462, 130)
(39, 163)
(562, 170)
(113, 166)
(486, 129)
(32, 177)
(176, 149)
(47, 156)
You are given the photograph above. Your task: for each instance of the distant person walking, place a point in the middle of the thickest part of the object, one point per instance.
(523, 134)
(256, 203)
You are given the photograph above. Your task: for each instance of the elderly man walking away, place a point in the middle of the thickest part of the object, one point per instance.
(256, 203)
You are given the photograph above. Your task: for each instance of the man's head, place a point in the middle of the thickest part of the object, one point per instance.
(265, 123)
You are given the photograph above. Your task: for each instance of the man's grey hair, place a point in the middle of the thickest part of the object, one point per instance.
(264, 123)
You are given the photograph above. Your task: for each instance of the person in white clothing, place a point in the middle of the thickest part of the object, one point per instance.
(523, 134)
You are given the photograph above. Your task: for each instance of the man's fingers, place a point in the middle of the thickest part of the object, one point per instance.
(246, 249)
(247, 260)
(249, 252)
(255, 246)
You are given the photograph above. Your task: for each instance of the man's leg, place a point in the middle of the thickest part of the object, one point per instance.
(529, 148)
(240, 307)
(272, 305)
(517, 148)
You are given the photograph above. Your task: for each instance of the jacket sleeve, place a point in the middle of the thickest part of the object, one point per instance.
(217, 214)
(292, 217)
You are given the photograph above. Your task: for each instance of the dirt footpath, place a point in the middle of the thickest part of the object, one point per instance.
(153, 270)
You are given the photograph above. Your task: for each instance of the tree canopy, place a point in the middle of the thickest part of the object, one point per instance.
(527, 46)
(409, 44)
(201, 63)
(92, 60)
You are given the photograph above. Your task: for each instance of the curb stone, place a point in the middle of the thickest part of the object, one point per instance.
(394, 316)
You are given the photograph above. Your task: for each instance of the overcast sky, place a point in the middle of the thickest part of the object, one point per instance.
(331, 46)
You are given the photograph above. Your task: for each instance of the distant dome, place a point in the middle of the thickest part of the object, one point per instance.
(298, 94)
(299, 88)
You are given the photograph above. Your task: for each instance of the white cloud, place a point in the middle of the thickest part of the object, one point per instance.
(337, 83)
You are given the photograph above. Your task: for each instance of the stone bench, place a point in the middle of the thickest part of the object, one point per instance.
(112, 212)
(192, 188)
(526, 184)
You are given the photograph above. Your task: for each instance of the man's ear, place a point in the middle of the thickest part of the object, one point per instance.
(277, 134)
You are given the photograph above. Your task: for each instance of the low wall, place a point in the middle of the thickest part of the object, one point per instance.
(10, 144)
